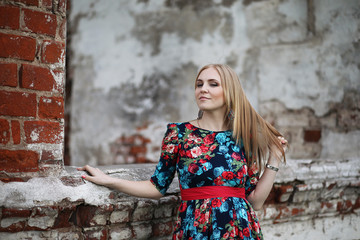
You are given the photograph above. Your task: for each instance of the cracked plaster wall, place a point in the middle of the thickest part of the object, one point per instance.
(133, 64)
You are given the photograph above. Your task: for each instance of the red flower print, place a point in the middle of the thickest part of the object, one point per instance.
(228, 175)
(170, 148)
(209, 139)
(236, 156)
(202, 161)
(193, 138)
(216, 203)
(226, 235)
(197, 213)
(246, 232)
(241, 235)
(170, 135)
(233, 233)
(193, 168)
(239, 175)
(212, 148)
(182, 207)
(202, 219)
(188, 154)
(204, 149)
(218, 181)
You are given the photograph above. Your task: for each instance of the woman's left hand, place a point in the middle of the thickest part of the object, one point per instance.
(275, 152)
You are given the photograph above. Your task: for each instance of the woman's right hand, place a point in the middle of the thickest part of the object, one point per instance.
(143, 189)
(96, 175)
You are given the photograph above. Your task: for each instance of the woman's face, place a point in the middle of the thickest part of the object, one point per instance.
(209, 92)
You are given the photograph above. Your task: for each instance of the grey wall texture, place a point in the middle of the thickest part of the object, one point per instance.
(132, 66)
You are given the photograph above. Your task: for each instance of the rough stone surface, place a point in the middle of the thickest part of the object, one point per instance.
(321, 196)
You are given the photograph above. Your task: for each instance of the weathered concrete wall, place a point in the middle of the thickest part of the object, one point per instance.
(133, 64)
(311, 199)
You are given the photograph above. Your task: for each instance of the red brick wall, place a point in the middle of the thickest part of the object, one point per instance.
(32, 65)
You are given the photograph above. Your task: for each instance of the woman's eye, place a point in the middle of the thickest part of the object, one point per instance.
(199, 84)
(214, 84)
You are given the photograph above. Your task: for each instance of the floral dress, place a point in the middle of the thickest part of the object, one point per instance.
(208, 158)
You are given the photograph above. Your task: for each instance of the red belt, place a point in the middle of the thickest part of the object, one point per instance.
(211, 192)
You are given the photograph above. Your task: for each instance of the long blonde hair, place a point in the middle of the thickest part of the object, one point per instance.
(256, 134)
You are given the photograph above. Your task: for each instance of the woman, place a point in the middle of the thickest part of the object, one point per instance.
(218, 158)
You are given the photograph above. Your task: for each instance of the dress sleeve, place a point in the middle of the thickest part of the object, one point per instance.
(252, 179)
(165, 169)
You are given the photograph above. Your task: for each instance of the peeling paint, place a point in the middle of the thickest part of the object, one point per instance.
(34, 135)
(134, 62)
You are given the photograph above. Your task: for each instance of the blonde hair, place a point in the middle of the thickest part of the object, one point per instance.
(256, 134)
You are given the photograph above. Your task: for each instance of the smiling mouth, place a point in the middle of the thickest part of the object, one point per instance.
(203, 98)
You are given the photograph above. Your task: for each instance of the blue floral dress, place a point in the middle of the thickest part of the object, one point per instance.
(208, 158)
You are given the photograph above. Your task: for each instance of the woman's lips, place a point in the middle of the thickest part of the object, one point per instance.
(204, 98)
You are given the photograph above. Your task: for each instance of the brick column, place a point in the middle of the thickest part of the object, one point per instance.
(32, 67)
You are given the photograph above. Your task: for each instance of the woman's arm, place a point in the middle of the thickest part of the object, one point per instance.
(258, 196)
(143, 189)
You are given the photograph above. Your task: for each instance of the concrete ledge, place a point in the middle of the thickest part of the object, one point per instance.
(322, 191)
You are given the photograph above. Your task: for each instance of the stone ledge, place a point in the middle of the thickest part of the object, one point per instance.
(54, 205)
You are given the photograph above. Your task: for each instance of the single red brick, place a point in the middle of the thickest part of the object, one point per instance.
(18, 161)
(37, 78)
(9, 17)
(51, 107)
(4, 131)
(13, 179)
(312, 135)
(29, 2)
(15, 212)
(19, 104)
(8, 74)
(43, 132)
(39, 22)
(19, 47)
(53, 52)
(15, 131)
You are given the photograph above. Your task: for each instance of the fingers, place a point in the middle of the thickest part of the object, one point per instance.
(89, 169)
(282, 140)
(283, 143)
(95, 175)
(87, 177)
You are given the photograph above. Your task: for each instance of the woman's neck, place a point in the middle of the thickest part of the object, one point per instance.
(212, 121)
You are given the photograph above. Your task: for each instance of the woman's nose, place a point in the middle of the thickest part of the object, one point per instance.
(204, 89)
